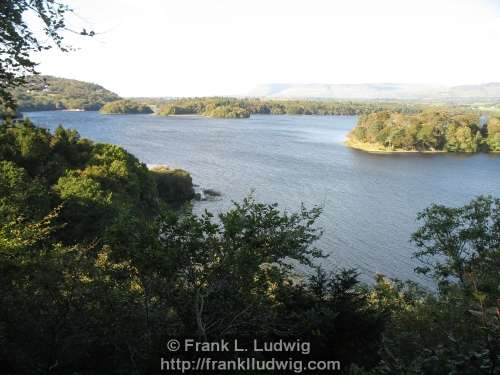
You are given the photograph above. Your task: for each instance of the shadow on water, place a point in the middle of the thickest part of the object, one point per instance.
(370, 200)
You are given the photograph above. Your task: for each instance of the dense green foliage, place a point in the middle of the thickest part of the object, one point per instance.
(96, 185)
(17, 40)
(98, 274)
(111, 302)
(232, 107)
(213, 107)
(227, 111)
(93, 267)
(41, 93)
(125, 107)
(8, 113)
(174, 185)
(457, 329)
(427, 131)
(493, 134)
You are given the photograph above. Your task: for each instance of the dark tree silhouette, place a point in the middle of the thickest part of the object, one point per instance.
(18, 39)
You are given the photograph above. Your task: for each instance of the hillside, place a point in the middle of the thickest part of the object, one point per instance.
(43, 93)
(376, 91)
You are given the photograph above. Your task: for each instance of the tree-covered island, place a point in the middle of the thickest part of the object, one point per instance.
(97, 272)
(46, 93)
(241, 108)
(124, 106)
(427, 131)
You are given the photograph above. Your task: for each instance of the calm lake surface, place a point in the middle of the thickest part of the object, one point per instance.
(370, 201)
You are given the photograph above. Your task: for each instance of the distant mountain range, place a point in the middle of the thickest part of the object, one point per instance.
(376, 91)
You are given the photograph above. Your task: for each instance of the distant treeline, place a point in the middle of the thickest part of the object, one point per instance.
(430, 130)
(42, 93)
(233, 107)
(126, 107)
(45, 93)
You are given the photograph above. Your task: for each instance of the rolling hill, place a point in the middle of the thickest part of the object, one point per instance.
(51, 93)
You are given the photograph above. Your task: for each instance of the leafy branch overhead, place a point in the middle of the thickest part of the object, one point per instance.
(18, 39)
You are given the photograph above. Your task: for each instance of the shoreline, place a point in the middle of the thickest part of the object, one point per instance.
(379, 149)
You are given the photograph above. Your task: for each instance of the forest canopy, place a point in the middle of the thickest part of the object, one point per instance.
(430, 130)
(125, 107)
(174, 185)
(42, 93)
(234, 107)
(93, 185)
(93, 265)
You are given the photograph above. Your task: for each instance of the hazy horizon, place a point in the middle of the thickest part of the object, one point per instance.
(401, 86)
(228, 47)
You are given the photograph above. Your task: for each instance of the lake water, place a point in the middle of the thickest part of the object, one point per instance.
(370, 201)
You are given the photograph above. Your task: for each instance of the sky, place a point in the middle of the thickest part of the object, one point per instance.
(227, 47)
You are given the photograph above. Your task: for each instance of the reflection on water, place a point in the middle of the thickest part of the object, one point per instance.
(370, 201)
